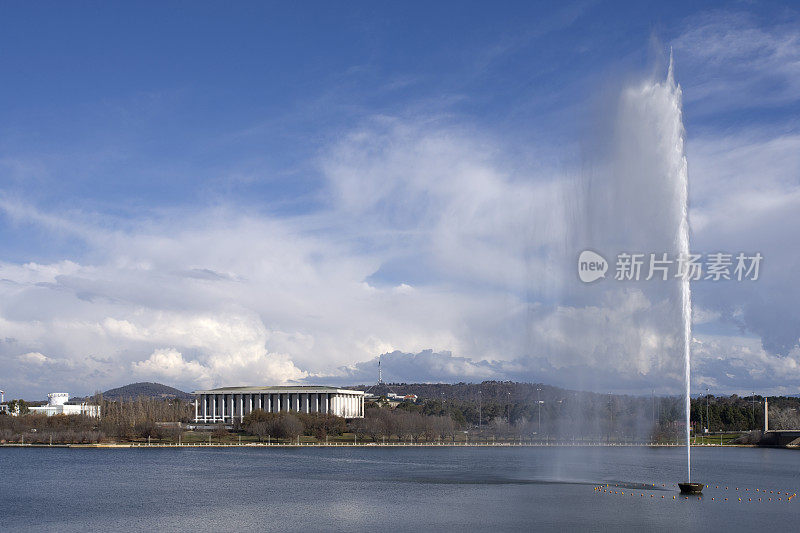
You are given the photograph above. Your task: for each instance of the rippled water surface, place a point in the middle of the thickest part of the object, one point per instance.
(391, 489)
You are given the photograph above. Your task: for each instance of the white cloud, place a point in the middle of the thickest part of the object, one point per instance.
(730, 61)
(34, 358)
(433, 245)
(168, 363)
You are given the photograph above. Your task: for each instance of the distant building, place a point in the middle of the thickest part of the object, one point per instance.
(57, 405)
(402, 397)
(226, 404)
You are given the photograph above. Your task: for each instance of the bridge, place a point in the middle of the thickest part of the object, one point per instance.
(778, 437)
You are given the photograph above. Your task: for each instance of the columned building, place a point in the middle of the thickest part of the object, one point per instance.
(229, 403)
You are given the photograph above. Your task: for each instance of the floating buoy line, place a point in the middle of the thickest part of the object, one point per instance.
(746, 495)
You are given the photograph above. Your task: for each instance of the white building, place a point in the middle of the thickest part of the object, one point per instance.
(57, 405)
(228, 403)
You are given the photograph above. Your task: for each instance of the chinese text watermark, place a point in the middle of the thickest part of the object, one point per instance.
(717, 266)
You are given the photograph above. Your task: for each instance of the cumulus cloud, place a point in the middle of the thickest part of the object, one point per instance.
(168, 363)
(432, 246)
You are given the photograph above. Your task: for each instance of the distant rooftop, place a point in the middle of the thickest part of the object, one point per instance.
(275, 388)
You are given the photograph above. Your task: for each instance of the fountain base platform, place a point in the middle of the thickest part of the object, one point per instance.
(691, 488)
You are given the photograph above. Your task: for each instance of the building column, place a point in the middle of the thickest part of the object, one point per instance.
(260, 401)
(205, 407)
(241, 407)
(231, 409)
(214, 408)
(195, 409)
(326, 403)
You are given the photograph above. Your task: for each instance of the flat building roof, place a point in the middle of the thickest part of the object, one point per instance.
(278, 389)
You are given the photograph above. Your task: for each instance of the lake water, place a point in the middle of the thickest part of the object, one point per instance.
(391, 489)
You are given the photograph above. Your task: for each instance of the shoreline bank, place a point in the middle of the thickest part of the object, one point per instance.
(374, 445)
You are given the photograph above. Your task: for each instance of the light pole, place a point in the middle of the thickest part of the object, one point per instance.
(654, 407)
(708, 420)
(539, 408)
(480, 398)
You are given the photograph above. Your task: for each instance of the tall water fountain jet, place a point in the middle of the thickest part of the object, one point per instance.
(686, 291)
(635, 200)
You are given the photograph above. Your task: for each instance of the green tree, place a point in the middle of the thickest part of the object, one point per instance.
(19, 407)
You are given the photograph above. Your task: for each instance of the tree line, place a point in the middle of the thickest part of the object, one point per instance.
(501, 410)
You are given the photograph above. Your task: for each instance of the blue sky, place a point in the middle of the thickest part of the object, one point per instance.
(202, 195)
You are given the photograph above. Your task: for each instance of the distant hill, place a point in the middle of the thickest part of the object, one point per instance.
(149, 390)
(499, 391)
